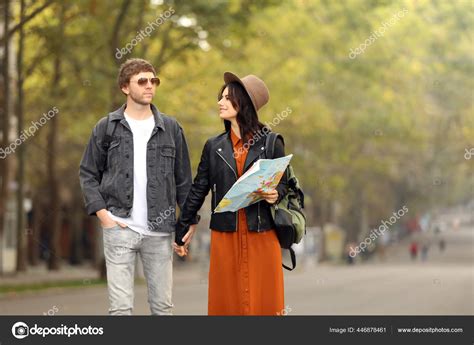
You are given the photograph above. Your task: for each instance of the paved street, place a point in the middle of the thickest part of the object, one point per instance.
(443, 284)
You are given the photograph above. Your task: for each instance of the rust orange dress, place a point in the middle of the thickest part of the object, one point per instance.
(245, 273)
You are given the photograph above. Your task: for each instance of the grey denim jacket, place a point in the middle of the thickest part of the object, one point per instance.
(107, 177)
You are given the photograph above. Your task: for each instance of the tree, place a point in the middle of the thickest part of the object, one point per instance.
(5, 121)
(21, 228)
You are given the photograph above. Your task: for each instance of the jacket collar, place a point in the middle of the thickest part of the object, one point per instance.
(118, 115)
(225, 150)
(255, 150)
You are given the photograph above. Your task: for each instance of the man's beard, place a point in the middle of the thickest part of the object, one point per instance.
(139, 101)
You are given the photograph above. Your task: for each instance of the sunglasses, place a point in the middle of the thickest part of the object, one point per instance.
(144, 81)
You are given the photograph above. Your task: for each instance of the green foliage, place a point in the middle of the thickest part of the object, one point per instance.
(388, 127)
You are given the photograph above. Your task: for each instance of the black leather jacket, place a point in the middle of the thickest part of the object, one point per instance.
(217, 172)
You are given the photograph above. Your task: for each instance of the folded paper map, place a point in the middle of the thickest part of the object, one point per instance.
(264, 176)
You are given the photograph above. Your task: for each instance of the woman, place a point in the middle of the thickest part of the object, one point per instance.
(245, 273)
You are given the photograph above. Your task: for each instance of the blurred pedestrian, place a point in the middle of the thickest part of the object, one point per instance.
(424, 251)
(442, 245)
(414, 250)
(348, 251)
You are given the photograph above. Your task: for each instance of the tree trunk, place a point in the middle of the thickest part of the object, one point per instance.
(21, 229)
(53, 182)
(5, 122)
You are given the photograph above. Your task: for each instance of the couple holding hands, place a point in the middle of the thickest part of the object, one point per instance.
(136, 169)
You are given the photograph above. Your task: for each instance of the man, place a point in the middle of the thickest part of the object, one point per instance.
(134, 170)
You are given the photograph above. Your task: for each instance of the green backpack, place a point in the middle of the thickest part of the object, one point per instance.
(288, 215)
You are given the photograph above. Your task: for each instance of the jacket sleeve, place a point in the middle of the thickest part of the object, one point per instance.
(282, 187)
(90, 174)
(182, 172)
(196, 196)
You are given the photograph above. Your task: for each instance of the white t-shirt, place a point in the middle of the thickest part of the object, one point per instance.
(138, 220)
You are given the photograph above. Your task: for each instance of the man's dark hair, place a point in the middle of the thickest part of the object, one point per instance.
(131, 67)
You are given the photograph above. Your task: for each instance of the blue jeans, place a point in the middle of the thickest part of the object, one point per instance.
(121, 245)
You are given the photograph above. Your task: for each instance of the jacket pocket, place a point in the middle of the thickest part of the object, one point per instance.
(113, 153)
(167, 158)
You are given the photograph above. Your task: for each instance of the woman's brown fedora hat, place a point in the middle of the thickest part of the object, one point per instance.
(255, 87)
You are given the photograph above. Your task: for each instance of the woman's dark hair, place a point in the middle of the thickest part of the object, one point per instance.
(246, 115)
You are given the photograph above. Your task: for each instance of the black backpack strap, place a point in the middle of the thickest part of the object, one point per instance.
(270, 144)
(293, 260)
(269, 153)
(107, 136)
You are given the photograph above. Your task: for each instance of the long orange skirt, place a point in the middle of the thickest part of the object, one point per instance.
(245, 274)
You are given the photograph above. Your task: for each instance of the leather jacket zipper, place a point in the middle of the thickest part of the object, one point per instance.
(230, 166)
(215, 198)
(236, 178)
(258, 209)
